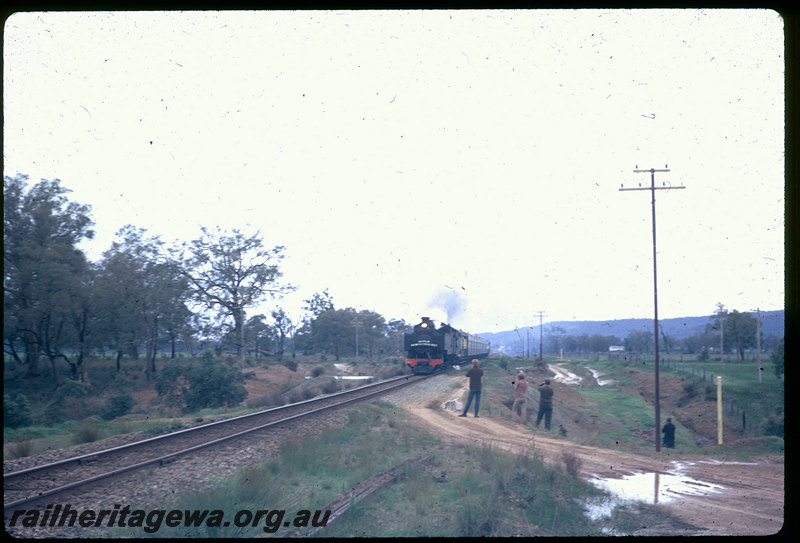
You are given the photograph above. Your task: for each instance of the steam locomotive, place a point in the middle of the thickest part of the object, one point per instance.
(430, 350)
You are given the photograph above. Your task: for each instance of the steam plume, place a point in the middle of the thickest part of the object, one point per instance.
(450, 302)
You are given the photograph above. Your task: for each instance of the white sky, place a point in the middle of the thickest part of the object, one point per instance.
(405, 156)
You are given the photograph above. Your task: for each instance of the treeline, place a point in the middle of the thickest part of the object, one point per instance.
(732, 331)
(145, 297)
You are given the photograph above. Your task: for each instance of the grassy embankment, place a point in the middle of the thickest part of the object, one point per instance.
(466, 491)
(622, 411)
(74, 420)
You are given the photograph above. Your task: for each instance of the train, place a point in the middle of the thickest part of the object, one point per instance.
(430, 349)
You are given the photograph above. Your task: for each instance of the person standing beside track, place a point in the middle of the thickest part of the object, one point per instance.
(475, 374)
(520, 397)
(669, 434)
(545, 404)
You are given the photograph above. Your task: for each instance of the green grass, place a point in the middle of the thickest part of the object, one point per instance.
(466, 491)
(740, 382)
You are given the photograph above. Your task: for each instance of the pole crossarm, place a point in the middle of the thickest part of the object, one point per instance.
(652, 188)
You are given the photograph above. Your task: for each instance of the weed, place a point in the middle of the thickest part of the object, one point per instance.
(329, 387)
(274, 399)
(122, 426)
(86, 432)
(572, 463)
(19, 449)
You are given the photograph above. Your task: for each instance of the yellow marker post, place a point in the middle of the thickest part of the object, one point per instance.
(719, 410)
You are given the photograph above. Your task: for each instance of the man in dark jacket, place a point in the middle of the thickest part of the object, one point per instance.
(545, 404)
(474, 374)
(669, 434)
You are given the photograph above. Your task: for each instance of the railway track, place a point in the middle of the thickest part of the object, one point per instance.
(40, 484)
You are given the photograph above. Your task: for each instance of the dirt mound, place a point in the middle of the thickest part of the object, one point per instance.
(685, 401)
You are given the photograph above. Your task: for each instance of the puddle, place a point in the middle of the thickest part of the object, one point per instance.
(596, 374)
(655, 487)
(564, 376)
(651, 488)
(352, 377)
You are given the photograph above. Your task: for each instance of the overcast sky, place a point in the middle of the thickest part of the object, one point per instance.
(410, 158)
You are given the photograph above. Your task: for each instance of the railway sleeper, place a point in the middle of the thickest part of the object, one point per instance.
(168, 460)
(87, 460)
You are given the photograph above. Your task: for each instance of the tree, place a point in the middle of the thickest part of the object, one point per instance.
(41, 229)
(555, 338)
(258, 334)
(740, 329)
(668, 342)
(282, 328)
(229, 273)
(144, 295)
(319, 303)
(371, 330)
(395, 329)
(332, 329)
(697, 343)
(639, 341)
(718, 324)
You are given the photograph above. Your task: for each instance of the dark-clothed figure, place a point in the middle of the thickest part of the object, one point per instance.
(669, 434)
(520, 397)
(474, 374)
(545, 404)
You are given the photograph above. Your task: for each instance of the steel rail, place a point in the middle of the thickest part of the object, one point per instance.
(170, 435)
(173, 455)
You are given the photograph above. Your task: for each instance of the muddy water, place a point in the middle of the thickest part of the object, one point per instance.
(563, 375)
(596, 374)
(651, 488)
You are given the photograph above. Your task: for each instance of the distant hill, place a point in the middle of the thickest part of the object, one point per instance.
(772, 323)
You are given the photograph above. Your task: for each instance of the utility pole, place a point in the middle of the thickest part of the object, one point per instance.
(528, 338)
(721, 312)
(653, 190)
(758, 342)
(541, 313)
(356, 324)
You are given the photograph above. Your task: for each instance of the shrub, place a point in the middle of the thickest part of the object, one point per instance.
(777, 357)
(69, 402)
(171, 383)
(214, 385)
(317, 371)
(329, 387)
(773, 425)
(266, 400)
(691, 388)
(86, 432)
(572, 463)
(308, 392)
(21, 449)
(16, 412)
(201, 385)
(116, 406)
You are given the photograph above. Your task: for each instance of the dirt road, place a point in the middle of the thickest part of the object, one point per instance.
(726, 498)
